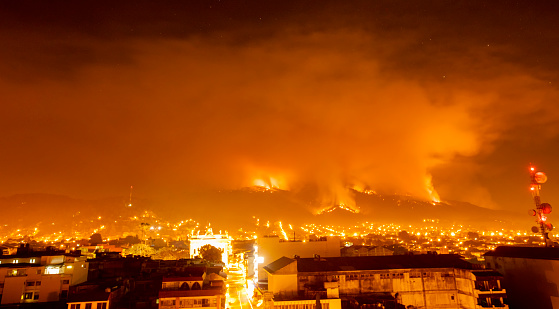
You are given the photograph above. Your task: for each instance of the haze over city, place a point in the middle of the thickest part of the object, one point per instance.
(436, 101)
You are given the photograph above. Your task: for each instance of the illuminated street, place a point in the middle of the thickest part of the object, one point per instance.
(237, 293)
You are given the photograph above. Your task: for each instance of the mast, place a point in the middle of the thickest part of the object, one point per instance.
(130, 203)
(542, 209)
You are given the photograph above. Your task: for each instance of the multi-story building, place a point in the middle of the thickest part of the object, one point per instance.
(530, 275)
(194, 290)
(39, 276)
(420, 281)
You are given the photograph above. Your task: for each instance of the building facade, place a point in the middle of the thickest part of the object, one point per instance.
(420, 281)
(192, 291)
(39, 276)
(220, 241)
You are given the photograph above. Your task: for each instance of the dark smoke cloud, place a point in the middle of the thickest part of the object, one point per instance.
(385, 97)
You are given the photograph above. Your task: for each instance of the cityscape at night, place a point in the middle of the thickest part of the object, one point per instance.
(279, 154)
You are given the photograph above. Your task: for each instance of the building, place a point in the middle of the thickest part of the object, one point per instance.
(39, 276)
(359, 250)
(91, 295)
(272, 248)
(196, 288)
(222, 242)
(420, 281)
(488, 290)
(530, 275)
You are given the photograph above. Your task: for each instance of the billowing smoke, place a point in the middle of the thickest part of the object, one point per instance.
(334, 106)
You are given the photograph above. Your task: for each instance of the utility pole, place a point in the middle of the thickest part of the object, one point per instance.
(542, 209)
(130, 203)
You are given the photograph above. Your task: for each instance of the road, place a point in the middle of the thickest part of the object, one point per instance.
(237, 292)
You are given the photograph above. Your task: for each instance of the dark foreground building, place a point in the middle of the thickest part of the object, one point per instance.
(530, 275)
(403, 281)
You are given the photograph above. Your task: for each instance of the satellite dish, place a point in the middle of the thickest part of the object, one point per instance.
(546, 208)
(535, 229)
(532, 212)
(540, 177)
(549, 226)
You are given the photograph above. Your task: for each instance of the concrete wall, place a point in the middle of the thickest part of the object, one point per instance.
(423, 288)
(283, 284)
(530, 283)
(300, 304)
(13, 289)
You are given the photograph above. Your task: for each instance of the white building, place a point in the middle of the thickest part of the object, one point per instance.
(40, 276)
(220, 241)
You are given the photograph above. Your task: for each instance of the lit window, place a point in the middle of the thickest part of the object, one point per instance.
(51, 270)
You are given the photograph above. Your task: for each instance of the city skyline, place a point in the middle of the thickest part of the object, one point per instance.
(433, 100)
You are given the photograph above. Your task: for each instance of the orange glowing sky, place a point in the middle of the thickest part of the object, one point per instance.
(187, 96)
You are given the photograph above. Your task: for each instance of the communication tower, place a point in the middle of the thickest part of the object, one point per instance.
(542, 209)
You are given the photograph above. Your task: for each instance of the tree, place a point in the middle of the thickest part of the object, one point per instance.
(141, 250)
(95, 239)
(404, 235)
(210, 253)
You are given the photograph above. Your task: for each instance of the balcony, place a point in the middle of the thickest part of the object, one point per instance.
(16, 273)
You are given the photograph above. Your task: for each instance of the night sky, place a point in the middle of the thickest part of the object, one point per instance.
(189, 96)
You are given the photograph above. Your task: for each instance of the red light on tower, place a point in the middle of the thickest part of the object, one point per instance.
(540, 177)
(546, 208)
(542, 209)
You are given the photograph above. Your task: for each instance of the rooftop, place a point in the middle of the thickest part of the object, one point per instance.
(278, 264)
(543, 253)
(380, 262)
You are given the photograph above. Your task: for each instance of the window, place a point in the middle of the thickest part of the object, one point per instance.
(31, 283)
(88, 306)
(65, 281)
(52, 270)
(36, 296)
(28, 295)
(168, 302)
(1, 284)
(415, 275)
(38, 271)
(75, 306)
(64, 294)
(37, 283)
(101, 305)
